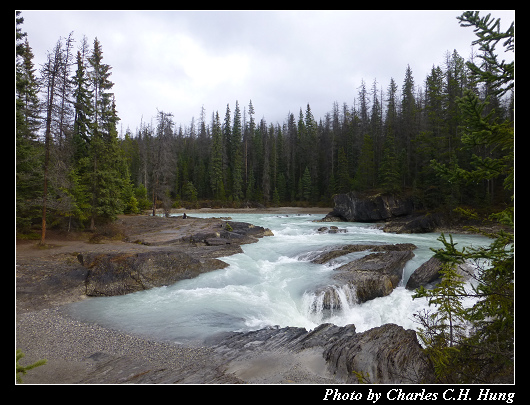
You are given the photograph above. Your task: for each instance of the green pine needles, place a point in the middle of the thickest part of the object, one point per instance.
(22, 370)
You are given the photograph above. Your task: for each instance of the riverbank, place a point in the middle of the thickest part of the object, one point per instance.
(78, 352)
(271, 210)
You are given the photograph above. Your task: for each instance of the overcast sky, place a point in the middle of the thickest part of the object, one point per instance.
(179, 61)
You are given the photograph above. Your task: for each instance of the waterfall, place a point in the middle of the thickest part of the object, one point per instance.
(328, 302)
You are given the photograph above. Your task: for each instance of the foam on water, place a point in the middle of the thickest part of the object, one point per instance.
(271, 283)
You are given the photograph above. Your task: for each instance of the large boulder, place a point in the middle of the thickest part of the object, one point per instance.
(112, 274)
(355, 207)
(335, 252)
(429, 273)
(415, 224)
(387, 354)
(371, 276)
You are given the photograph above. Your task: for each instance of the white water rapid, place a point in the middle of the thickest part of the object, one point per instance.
(271, 283)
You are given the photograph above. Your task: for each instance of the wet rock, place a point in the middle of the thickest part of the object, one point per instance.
(387, 354)
(329, 255)
(415, 224)
(355, 207)
(371, 276)
(429, 273)
(112, 274)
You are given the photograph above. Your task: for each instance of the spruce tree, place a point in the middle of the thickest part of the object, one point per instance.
(83, 110)
(27, 119)
(236, 158)
(103, 174)
(486, 353)
(216, 159)
(389, 176)
(366, 174)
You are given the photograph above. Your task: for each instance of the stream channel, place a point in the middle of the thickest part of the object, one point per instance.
(271, 283)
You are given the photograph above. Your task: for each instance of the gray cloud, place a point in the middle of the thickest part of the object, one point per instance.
(180, 60)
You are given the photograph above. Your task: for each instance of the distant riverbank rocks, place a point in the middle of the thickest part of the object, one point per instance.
(355, 207)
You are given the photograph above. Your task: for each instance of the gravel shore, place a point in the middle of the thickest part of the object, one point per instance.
(47, 280)
(79, 352)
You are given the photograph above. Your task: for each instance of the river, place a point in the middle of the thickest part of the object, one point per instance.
(269, 284)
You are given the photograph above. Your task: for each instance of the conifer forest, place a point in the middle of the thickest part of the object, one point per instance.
(76, 168)
(445, 141)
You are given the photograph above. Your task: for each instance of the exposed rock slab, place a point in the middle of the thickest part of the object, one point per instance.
(371, 276)
(329, 255)
(355, 207)
(178, 249)
(121, 273)
(429, 273)
(387, 354)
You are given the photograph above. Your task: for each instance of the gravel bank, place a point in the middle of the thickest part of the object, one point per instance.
(79, 352)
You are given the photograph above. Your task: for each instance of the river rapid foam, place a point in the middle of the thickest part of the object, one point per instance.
(271, 283)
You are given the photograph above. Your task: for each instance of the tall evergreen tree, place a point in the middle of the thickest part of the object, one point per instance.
(216, 159)
(236, 156)
(102, 175)
(83, 110)
(28, 121)
(366, 174)
(389, 176)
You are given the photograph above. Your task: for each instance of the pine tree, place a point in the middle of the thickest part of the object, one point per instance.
(366, 174)
(51, 73)
(82, 105)
(236, 159)
(389, 176)
(27, 118)
(486, 354)
(216, 158)
(102, 168)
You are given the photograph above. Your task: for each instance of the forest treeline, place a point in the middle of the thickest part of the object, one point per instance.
(73, 168)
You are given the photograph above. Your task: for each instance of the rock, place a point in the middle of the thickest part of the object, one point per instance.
(429, 272)
(246, 233)
(326, 256)
(371, 276)
(123, 273)
(330, 218)
(415, 224)
(355, 207)
(331, 229)
(387, 354)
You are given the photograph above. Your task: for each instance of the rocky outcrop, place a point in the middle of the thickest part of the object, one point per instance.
(429, 273)
(371, 276)
(355, 207)
(123, 273)
(177, 249)
(415, 224)
(329, 255)
(387, 354)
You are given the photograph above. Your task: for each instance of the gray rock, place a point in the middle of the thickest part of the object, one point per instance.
(355, 207)
(328, 255)
(371, 276)
(123, 273)
(429, 273)
(388, 354)
(415, 224)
